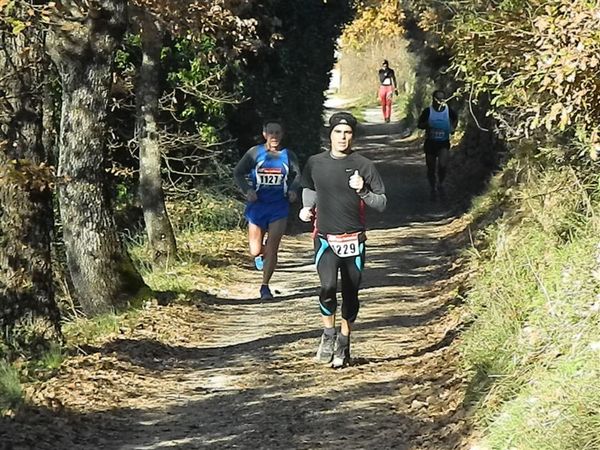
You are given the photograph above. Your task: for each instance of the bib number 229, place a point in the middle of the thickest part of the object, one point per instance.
(344, 245)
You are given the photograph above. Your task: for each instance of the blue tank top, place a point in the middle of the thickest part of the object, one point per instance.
(270, 175)
(439, 125)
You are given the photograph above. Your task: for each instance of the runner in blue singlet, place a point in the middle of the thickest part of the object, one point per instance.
(438, 121)
(269, 176)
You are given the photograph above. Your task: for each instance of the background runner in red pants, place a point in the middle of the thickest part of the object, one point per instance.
(387, 89)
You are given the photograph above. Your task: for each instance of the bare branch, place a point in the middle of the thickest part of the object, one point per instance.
(471, 110)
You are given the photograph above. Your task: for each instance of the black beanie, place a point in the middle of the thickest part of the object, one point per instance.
(342, 118)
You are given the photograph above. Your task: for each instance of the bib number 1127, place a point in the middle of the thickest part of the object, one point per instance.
(270, 179)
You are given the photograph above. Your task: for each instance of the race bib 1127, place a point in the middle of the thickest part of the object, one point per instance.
(269, 177)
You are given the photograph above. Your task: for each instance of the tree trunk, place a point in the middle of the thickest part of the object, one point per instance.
(102, 273)
(26, 219)
(158, 227)
(49, 113)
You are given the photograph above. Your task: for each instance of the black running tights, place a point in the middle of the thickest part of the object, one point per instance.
(328, 263)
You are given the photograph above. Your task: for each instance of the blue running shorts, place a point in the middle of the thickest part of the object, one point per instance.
(262, 214)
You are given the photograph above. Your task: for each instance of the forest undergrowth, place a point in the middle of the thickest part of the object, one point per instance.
(532, 350)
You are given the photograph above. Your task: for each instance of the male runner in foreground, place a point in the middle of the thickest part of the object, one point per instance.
(339, 183)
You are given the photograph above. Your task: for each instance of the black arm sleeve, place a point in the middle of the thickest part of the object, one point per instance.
(453, 118)
(306, 180)
(243, 168)
(295, 175)
(309, 194)
(423, 122)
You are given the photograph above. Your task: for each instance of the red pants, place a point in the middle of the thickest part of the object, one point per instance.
(385, 98)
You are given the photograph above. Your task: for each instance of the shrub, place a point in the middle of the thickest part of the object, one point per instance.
(206, 211)
(533, 347)
(11, 394)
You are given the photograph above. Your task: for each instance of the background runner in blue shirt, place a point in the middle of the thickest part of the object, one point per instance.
(438, 121)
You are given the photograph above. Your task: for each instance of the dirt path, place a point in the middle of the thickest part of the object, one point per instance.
(239, 373)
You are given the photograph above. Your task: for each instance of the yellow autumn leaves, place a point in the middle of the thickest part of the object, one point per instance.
(543, 66)
(375, 21)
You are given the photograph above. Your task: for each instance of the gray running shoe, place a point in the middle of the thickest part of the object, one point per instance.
(325, 351)
(341, 353)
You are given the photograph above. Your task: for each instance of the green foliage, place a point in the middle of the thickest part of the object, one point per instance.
(193, 98)
(204, 259)
(196, 77)
(44, 365)
(559, 409)
(288, 78)
(489, 204)
(415, 96)
(16, 17)
(209, 237)
(533, 349)
(127, 57)
(28, 335)
(52, 358)
(90, 330)
(206, 211)
(11, 394)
